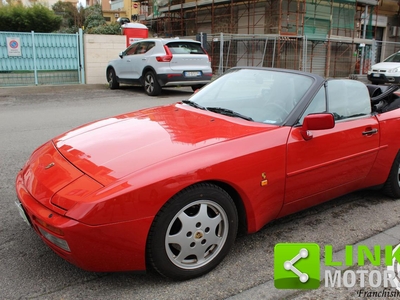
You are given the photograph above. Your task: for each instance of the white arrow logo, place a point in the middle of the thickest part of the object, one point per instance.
(289, 265)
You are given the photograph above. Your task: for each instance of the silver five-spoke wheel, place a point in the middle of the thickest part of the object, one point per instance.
(151, 86)
(192, 232)
(196, 234)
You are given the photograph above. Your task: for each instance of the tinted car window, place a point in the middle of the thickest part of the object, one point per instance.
(185, 48)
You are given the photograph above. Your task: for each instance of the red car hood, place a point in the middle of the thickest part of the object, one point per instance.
(115, 147)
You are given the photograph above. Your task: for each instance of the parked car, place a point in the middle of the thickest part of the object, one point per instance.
(158, 63)
(169, 187)
(387, 71)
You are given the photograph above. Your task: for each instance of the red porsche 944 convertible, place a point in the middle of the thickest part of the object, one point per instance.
(169, 187)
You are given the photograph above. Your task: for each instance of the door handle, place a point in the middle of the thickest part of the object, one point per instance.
(128, 60)
(370, 132)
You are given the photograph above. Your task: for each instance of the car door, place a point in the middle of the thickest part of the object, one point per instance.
(123, 66)
(137, 61)
(334, 161)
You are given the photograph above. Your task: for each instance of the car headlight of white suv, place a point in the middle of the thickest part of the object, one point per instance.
(395, 70)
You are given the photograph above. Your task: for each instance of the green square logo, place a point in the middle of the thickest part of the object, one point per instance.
(297, 266)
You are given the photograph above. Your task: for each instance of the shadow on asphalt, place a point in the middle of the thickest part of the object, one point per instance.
(166, 92)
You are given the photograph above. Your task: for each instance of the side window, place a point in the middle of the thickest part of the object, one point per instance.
(317, 105)
(143, 47)
(348, 98)
(150, 45)
(132, 49)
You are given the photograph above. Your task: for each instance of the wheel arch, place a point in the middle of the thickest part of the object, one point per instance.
(232, 192)
(392, 185)
(145, 70)
(225, 187)
(237, 200)
(108, 68)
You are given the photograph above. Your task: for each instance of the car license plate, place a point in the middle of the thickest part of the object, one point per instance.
(376, 75)
(22, 213)
(192, 74)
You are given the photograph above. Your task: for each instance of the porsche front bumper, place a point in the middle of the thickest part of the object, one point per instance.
(102, 248)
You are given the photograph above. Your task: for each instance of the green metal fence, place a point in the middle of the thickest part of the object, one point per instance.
(40, 58)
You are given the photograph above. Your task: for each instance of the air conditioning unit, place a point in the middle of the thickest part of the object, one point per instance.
(116, 15)
(394, 31)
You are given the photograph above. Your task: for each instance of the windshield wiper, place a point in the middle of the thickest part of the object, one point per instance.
(356, 115)
(194, 104)
(228, 112)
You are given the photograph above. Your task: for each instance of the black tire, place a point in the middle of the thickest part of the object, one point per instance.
(173, 249)
(151, 86)
(197, 87)
(392, 184)
(112, 79)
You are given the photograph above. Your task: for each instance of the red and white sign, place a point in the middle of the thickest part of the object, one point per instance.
(13, 46)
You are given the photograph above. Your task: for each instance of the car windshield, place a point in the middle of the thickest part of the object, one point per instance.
(266, 96)
(393, 58)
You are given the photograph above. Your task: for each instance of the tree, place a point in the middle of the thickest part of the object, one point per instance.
(96, 24)
(72, 17)
(38, 18)
(94, 17)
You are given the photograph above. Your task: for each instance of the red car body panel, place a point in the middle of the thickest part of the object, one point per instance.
(262, 149)
(94, 248)
(151, 136)
(47, 173)
(100, 186)
(389, 127)
(327, 158)
(276, 152)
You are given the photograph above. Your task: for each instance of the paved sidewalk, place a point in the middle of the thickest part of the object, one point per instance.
(267, 291)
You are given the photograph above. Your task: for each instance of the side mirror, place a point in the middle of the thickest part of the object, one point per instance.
(319, 121)
(121, 54)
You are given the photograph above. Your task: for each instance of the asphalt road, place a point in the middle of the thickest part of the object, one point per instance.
(30, 116)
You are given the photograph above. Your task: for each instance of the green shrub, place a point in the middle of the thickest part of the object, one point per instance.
(36, 18)
(113, 28)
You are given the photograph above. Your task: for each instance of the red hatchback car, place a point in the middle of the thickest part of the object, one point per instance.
(169, 187)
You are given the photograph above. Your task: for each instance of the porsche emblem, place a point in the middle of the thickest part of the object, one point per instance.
(49, 166)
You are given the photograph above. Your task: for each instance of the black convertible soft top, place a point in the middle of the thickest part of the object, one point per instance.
(383, 98)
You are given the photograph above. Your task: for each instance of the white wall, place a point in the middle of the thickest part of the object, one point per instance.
(99, 50)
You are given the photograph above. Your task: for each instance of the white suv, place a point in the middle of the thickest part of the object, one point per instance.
(387, 71)
(157, 63)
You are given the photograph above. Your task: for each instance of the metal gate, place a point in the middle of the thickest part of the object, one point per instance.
(230, 50)
(328, 57)
(40, 58)
(382, 50)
